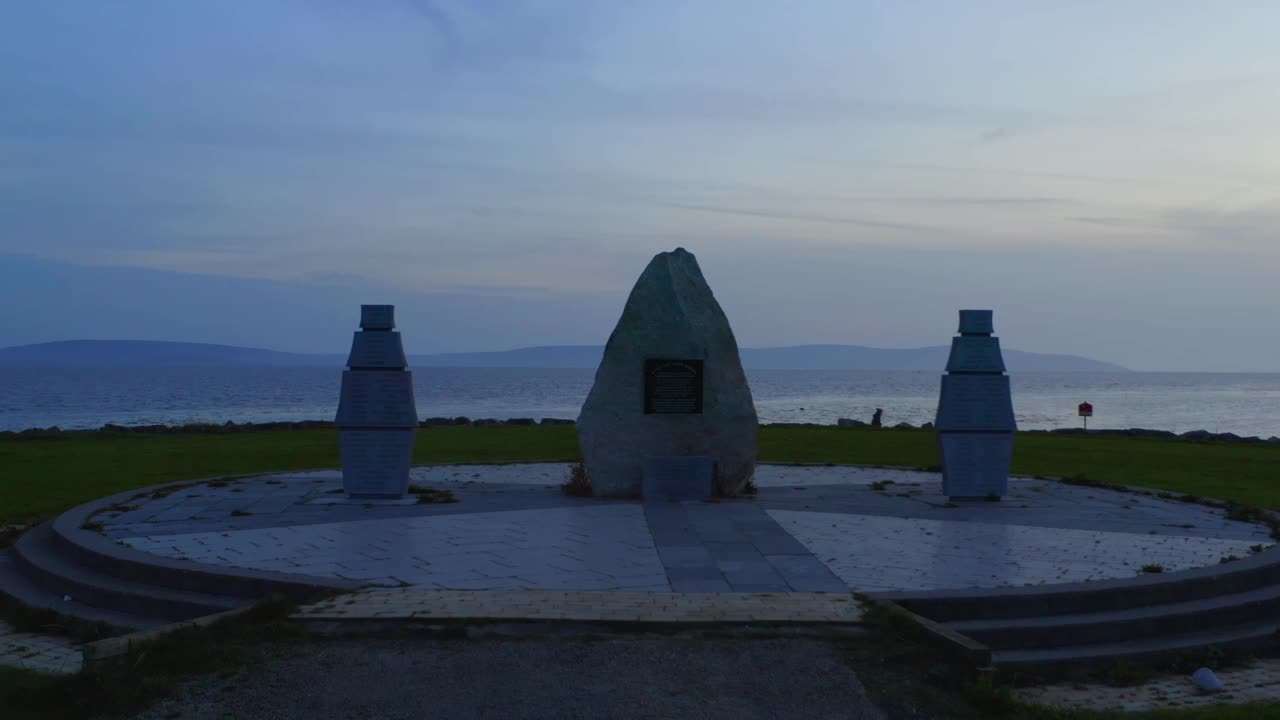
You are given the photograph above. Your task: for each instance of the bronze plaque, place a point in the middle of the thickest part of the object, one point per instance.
(672, 386)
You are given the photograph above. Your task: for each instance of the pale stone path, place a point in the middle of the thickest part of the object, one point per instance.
(810, 529)
(1258, 682)
(935, 554)
(42, 653)
(414, 604)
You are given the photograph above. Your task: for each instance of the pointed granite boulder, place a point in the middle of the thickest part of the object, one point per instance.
(670, 385)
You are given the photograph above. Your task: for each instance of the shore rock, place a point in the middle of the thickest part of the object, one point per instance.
(521, 421)
(670, 314)
(555, 421)
(850, 422)
(1144, 432)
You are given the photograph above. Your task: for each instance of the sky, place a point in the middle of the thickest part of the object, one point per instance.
(1104, 175)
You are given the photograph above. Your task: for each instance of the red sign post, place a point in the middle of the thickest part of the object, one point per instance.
(1086, 411)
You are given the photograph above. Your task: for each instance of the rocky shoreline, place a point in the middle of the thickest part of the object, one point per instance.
(233, 427)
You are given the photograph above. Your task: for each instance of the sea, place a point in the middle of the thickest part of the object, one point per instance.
(1245, 404)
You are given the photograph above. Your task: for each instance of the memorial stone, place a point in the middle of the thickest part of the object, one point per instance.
(377, 416)
(975, 419)
(670, 385)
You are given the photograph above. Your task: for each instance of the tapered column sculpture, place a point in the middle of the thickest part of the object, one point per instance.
(377, 417)
(975, 420)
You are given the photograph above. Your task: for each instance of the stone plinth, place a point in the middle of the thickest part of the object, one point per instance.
(670, 384)
(975, 420)
(679, 478)
(377, 417)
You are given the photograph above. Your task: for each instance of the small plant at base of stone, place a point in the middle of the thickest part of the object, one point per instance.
(750, 488)
(427, 496)
(9, 534)
(1152, 569)
(578, 484)
(1244, 513)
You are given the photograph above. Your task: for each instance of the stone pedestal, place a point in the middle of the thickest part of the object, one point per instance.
(975, 420)
(670, 386)
(377, 417)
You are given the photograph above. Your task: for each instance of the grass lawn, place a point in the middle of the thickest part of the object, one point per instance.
(1248, 474)
(41, 476)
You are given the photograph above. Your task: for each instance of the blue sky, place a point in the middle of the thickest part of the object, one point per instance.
(1103, 175)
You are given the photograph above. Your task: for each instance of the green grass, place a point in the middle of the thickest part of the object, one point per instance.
(1243, 473)
(229, 647)
(46, 475)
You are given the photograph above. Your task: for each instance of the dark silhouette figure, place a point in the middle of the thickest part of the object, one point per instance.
(875, 419)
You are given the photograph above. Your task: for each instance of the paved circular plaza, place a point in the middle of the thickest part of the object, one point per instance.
(810, 529)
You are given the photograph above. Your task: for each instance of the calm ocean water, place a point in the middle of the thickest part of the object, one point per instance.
(1246, 404)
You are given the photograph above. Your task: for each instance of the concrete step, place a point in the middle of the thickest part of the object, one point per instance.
(1251, 636)
(45, 561)
(92, 549)
(1242, 576)
(1056, 631)
(16, 587)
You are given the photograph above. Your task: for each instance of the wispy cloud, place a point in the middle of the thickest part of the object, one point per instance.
(980, 200)
(1019, 172)
(807, 217)
(442, 26)
(1255, 227)
(484, 33)
(1116, 222)
(996, 135)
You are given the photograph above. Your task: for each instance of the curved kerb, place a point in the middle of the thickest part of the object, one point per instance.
(1257, 570)
(124, 562)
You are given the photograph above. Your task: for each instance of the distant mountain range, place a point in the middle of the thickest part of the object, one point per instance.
(146, 353)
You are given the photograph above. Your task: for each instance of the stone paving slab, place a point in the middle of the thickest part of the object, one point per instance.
(810, 529)
(602, 547)
(1257, 682)
(717, 547)
(916, 554)
(622, 606)
(41, 653)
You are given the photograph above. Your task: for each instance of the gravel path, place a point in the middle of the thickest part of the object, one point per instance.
(543, 678)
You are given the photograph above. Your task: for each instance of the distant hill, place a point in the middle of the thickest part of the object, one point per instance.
(796, 357)
(149, 353)
(145, 353)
